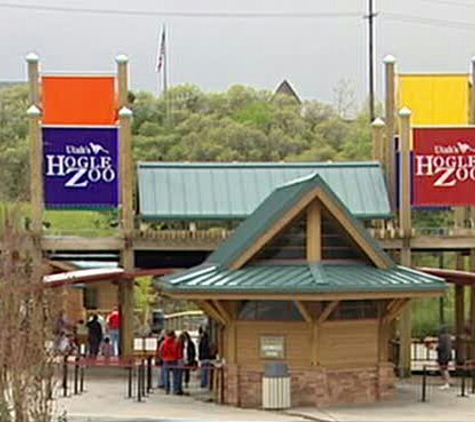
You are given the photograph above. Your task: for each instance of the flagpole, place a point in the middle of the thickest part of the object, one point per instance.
(165, 63)
(165, 78)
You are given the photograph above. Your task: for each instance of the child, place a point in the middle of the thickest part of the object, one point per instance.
(107, 348)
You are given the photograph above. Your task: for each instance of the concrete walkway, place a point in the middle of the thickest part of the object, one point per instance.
(442, 406)
(105, 400)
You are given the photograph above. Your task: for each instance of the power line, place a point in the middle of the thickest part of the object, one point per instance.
(430, 21)
(451, 3)
(180, 14)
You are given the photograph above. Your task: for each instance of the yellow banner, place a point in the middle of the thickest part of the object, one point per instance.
(435, 99)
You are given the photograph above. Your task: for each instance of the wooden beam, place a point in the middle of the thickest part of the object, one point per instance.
(273, 231)
(327, 311)
(395, 310)
(222, 311)
(389, 306)
(314, 232)
(209, 309)
(306, 315)
(82, 244)
(305, 297)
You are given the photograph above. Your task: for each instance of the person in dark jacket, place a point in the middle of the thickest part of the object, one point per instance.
(94, 336)
(189, 356)
(444, 356)
(159, 361)
(204, 357)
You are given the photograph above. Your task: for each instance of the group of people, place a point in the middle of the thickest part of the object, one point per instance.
(100, 335)
(177, 357)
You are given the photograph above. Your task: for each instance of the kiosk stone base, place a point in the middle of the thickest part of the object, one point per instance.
(313, 386)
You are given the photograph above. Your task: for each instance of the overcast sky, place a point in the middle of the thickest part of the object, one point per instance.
(214, 53)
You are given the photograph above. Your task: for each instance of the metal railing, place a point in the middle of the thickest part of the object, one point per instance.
(216, 236)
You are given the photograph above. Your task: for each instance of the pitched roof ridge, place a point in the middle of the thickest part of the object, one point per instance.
(258, 164)
(302, 179)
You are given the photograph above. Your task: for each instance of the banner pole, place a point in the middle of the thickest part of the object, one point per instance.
(126, 286)
(33, 62)
(389, 155)
(377, 135)
(405, 327)
(36, 174)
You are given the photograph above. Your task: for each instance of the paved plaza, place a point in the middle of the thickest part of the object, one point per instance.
(442, 406)
(106, 400)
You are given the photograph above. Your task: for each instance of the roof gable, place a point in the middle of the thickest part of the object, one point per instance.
(227, 191)
(279, 210)
(285, 88)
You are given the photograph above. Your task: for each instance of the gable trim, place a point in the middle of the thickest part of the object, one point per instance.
(379, 259)
(376, 256)
(274, 230)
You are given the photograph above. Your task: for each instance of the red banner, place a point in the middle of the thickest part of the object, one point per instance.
(444, 166)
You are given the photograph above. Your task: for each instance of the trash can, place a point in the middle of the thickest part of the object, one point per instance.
(276, 386)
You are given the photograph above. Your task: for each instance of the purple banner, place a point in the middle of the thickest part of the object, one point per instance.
(81, 167)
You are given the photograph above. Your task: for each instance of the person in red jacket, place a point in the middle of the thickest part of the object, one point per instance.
(170, 354)
(114, 326)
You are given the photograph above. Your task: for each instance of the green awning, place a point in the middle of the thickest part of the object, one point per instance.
(301, 278)
(223, 191)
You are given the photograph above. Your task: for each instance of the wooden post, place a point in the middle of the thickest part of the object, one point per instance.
(405, 327)
(472, 94)
(383, 331)
(315, 342)
(126, 286)
(123, 79)
(378, 139)
(314, 232)
(472, 308)
(33, 62)
(36, 171)
(471, 121)
(231, 342)
(405, 157)
(459, 315)
(390, 119)
(472, 323)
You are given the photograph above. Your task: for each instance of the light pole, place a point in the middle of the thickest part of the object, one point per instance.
(371, 16)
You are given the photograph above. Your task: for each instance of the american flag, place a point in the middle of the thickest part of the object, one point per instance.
(161, 52)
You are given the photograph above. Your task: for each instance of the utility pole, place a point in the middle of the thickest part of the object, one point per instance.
(371, 16)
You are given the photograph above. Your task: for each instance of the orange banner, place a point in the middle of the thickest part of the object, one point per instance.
(79, 100)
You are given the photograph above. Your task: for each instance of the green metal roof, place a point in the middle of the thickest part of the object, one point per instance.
(301, 278)
(210, 191)
(272, 209)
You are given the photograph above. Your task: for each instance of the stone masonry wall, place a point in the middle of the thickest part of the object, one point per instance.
(313, 386)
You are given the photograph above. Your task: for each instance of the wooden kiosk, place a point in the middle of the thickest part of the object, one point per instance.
(302, 282)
